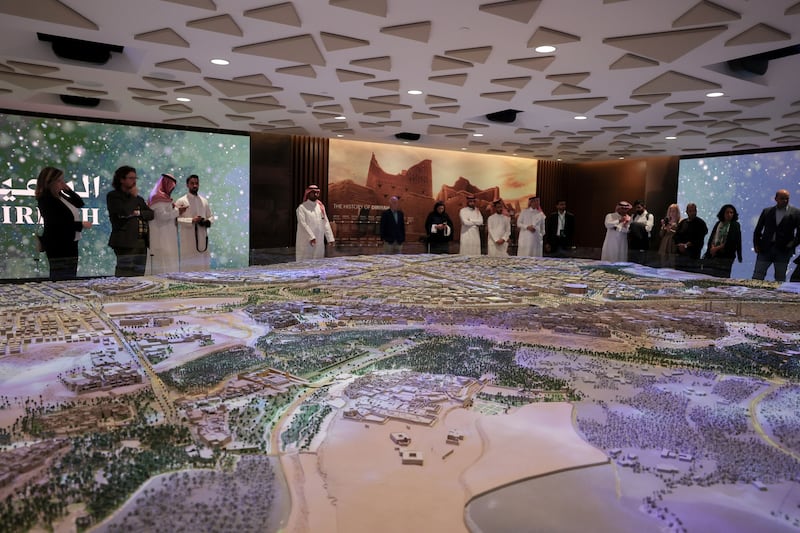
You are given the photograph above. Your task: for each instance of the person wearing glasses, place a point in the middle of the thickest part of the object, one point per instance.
(129, 215)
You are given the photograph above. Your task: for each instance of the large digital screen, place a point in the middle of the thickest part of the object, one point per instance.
(88, 153)
(749, 182)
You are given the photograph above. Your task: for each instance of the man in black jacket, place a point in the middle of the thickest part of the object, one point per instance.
(690, 235)
(559, 231)
(393, 228)
(775, 237)
(129, 215)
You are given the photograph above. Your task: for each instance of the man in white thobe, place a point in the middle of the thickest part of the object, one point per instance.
(531, 222)
(615, 246)
(499, 229)
(193, 222)
(471, 222)
(313, 228)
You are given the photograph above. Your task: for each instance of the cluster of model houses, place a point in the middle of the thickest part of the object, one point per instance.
(105, 374)
(418, 400)
(44, 324)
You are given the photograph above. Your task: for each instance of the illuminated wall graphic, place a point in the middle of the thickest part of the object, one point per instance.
(748, 182)
(89, 153)
(363, 176)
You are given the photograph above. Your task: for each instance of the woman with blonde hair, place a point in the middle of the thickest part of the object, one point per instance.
(60, 208)
(666, 248)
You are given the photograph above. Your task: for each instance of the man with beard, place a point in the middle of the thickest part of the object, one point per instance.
(194, 219)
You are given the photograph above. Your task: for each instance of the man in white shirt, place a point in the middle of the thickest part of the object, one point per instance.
(499, 230)
(471, 222)
(531, 222)
(194, 219)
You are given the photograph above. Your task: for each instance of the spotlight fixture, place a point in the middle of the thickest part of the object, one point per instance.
(406, 136)
(80, 101)
(505, 116)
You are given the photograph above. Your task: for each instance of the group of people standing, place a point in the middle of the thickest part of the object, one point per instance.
(537, 233)
(156, 236)
(629, 229)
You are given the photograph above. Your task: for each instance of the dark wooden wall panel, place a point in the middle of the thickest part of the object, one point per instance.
(281, 167)
(593, 190)
(550, 184)
(310, 156)
(272, 197)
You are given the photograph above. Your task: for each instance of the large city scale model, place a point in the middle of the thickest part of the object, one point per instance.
(401, 393)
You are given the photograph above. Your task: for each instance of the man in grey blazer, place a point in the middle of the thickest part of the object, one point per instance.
(776, 236)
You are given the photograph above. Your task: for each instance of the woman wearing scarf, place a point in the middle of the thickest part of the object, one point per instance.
(725, 244)
(163, 255)
(439, 229)
(60, 208)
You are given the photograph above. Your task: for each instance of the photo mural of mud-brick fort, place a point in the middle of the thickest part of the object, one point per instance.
(356, 203)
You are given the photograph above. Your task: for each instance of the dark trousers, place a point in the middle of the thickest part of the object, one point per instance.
(687, 263)
(719, 267)
(796, 274)
(131, 261)
(777, 257)
(63, 262)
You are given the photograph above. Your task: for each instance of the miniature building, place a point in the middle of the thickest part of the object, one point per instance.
(401, 439)
(411, 458)
(454, 437)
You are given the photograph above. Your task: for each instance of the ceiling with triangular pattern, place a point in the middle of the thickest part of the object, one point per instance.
(637, 71)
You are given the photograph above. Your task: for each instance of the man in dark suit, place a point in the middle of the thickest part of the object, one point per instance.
(776, 236)
(559, 230)
(393, 228)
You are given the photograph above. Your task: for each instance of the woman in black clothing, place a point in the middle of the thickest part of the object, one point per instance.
(725, 243)
(60, 208)
(439, 228)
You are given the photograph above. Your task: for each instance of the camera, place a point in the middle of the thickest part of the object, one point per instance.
(204, 222)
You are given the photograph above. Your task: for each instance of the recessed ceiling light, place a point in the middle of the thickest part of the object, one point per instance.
(670, 137)
(463, 148)
(340, 117)
(339, 135)
(622, 158)
(545, 49)
(715, 94)
(405, 142)
(414, 91)
(580, 117)
(477, 134)
(222, 62)
(183, 99)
